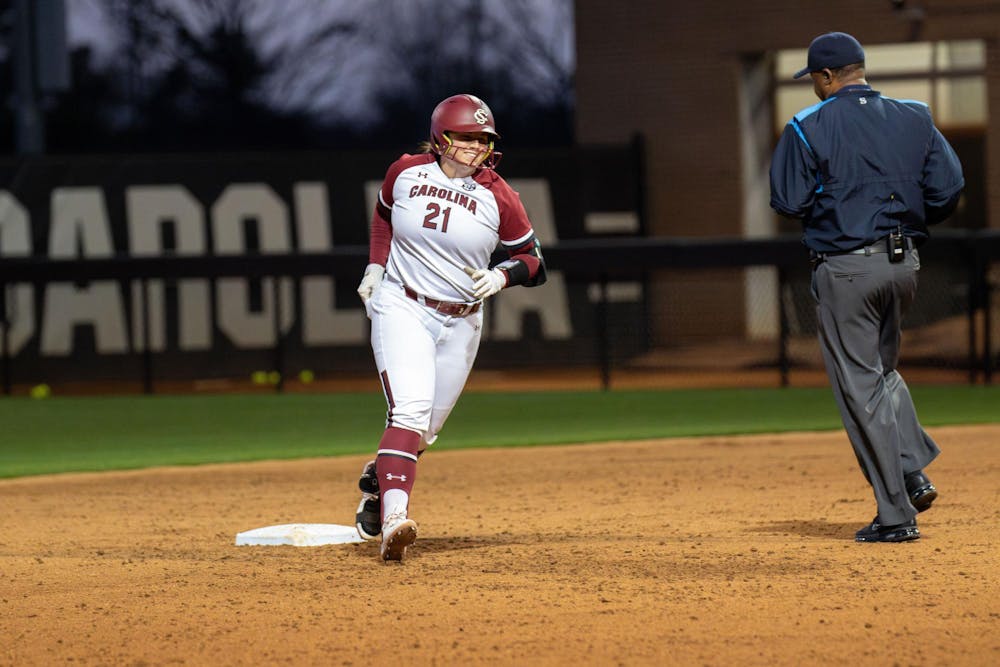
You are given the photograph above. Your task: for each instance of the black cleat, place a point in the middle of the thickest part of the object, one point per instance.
(876, 532)
(368, 482)
(921, 491)
(368, 519)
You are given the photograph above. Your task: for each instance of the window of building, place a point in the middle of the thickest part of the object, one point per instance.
(948, 76)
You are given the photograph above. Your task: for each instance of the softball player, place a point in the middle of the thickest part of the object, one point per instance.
(439, 216)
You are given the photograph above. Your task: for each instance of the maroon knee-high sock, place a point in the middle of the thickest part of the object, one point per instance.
(396, 463)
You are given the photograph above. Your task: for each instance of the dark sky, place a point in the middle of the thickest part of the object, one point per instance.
(336, 59)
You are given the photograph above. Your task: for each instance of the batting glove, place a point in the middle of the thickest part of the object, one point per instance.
(371, 281)
(486, 282)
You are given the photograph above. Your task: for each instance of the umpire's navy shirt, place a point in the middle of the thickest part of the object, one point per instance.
(857, 165)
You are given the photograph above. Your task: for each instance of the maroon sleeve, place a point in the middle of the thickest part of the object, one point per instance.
(514, 224)
(516, 235)
(380, 238)
(526, 254)
(380, 233)
(526, 265)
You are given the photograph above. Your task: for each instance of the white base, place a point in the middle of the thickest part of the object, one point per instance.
(299, 535)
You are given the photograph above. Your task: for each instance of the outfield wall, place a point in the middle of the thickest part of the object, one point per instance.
(215, 210)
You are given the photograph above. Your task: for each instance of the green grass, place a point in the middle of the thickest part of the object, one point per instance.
(63, 434)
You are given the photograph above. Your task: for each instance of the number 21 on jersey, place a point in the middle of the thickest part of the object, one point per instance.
(433, 211)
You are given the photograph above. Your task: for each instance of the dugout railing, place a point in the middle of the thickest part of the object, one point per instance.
(598, 262)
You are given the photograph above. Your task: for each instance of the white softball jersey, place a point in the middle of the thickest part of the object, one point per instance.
(441, 225)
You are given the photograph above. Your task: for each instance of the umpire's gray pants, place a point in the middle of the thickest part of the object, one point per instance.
(861, 303)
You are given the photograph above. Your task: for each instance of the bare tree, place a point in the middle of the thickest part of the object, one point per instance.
(190, 73)
(517, 55)
(200, 73)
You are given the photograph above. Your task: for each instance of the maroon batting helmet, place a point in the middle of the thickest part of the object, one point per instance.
(463, 113)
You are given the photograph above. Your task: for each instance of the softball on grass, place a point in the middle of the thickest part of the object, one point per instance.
(41, 391)
(306, 376)
(259, 377)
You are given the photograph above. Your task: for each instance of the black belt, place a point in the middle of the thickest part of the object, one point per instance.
(451, 308)
(880, 246)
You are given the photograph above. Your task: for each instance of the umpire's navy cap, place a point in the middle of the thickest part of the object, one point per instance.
(832, 50)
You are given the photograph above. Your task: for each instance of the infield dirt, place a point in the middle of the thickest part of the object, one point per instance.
(719, 551)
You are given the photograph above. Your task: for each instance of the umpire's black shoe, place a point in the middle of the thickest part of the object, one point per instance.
(922, 492)
(876, 532)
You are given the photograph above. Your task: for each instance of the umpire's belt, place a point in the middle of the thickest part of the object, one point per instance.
(446, 307)
(882, 245)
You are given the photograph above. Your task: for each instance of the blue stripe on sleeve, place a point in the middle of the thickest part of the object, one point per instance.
(808, 111)
(798, 130)
(802, 115)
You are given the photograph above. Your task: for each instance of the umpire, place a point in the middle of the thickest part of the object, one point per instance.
(866, 174)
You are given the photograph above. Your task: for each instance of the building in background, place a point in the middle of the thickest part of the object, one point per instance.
(708, 86)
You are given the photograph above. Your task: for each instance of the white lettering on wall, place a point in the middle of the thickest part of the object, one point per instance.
(150, 208)
(15, 241)
(257, 202)
(322, 322)
(80, 228)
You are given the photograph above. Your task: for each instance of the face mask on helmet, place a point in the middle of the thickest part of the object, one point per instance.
(482, 158)
(464, 114)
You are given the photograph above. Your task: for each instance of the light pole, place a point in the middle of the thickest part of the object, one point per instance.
(29, 126)
(41, 65)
